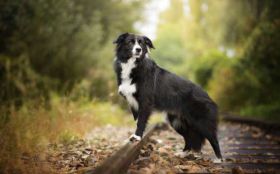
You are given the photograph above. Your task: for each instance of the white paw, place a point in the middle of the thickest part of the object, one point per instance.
(134, 137)
(197, 154)
(182, 154)
(217, 160)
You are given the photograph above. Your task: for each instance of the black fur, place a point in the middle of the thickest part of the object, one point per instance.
(159, 89)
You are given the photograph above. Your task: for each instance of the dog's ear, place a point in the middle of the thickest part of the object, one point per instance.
(148, 42)
(121, 38)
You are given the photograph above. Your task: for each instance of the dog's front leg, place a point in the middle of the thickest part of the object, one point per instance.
(134, 113)
(143, 116)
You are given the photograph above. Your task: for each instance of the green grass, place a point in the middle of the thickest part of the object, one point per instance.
(33, 126)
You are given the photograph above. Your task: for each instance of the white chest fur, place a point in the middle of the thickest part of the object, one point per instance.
(126, 88)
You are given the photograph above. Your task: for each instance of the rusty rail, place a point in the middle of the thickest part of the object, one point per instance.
(249, 150)
(119, 162)
(269, 127)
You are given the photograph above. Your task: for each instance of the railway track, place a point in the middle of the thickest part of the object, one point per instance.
(247, 147)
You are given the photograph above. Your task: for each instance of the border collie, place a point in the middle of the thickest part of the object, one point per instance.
(148, 87)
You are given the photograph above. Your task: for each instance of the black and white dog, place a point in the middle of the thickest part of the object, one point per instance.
(148, 87)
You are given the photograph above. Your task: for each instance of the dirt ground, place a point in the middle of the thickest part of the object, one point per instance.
(158, 155)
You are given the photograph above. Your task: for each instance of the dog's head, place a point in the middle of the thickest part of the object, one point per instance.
(132, 45)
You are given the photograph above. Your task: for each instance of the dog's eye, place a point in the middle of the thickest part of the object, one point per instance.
(132, 41)
(139, 41)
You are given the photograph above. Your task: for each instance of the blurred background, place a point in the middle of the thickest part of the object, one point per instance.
(56, 75)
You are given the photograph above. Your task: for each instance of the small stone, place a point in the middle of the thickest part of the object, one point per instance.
(154, 157)
(171, 138)
(84, 156)
(182, 167)
(162, 151)
(237, 170)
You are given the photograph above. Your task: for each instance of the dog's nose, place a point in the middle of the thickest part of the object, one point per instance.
(138, 50)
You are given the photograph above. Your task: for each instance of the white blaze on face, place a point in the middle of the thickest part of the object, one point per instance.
(134, 49)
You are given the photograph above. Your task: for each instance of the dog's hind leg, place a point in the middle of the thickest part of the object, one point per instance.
(182, 129)
(212, 138)
(196, 140)
(210, 134)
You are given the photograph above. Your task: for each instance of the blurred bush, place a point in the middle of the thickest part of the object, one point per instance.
(61, 41)
(254, 79)
(230, 48)
(19, 82)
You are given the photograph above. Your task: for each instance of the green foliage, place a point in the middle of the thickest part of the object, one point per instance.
(262, 59)
(170, 50)
(266, 111)
(20, 82)
(60, 40)
(203, 68)
(230, 48)
(254, 78)
(230, 87)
